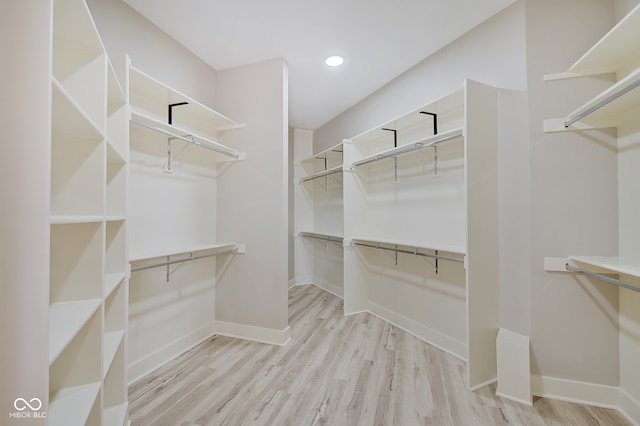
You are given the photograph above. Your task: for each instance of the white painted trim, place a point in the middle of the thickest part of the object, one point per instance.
(254, 333)
(514, 368)
(300, 281)
(331, 288)
(153, 361)
(574, 391)
(433, 337)
(629, 407)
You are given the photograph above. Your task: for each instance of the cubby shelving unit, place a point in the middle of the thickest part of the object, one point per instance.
(321, 184)
(88, 272)
(617, 106)
(420, 225)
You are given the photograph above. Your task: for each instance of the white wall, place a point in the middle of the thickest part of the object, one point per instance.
(574, 321)
(124, 31)
(252, 196)
(25, 31)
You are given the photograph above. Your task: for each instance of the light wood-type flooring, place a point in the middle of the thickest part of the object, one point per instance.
(337, 370)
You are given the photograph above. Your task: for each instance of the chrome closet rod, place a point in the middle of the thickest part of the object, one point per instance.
(415, 147)
(601, 277)
(325, 173)
(184, 138)
(186, 259)
(602, 103)
(333, 240)
(416, 253)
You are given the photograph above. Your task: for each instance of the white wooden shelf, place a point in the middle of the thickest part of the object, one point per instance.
(71, 219)
(66, 319)
(164, 252)
(323, 173)
(611, 52)
(112, 342)
(116, 415)
(610, 114)
(412, 244)
(72, 406)
(149, 95)
(411, 147)
(112, 281)
(154, 123)
(320, 234)
(69, 117)
(610, 265)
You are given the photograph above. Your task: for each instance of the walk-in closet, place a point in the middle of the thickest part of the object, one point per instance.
(204, 223)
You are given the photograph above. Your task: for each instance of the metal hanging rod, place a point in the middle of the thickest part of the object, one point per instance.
(415, 252)
(322, 174)
(601, 277)
(322, 238)
(188, 139)
(602, 103)
(185, 259)
(416, 146)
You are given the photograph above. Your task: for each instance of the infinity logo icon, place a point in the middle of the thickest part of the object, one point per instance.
(21, 404)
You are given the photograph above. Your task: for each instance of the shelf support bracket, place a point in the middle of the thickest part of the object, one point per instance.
(170, 110)
(435, 147)
(395, 136)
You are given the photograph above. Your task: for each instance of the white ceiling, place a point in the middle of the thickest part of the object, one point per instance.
(379, 40)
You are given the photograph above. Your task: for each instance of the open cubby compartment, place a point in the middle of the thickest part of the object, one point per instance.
(77, 162)
(413, 127)
(115, 247)
(75, 376)
(115, 398)
(76, 262)
(152, 98)
(116, 185)
(416, 293)
(78, 58)
(117, 116)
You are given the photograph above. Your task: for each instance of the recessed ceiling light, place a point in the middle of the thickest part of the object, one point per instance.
(334, 61)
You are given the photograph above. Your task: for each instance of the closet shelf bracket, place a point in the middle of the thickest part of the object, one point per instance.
(602, 277)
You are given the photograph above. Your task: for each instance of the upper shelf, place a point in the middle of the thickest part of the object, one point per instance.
(616, 52)
(151, 98)
(610, 265)
(437, 117)
(177, 132)
(156, 253)
(411, 146)
(606, 109)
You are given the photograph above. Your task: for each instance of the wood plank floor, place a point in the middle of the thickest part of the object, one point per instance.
(337, 370)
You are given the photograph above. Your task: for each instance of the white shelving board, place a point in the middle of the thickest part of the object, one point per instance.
(164, 252)
(611, 52)
(611, 265)
(72, 405)
(66, 319)
(112, 341)
(151, 96)
(412, 244)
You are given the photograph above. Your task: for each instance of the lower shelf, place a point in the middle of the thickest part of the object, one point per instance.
(72, 406)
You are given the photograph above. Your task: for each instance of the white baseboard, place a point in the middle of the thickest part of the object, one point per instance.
(574, 391)
(630, 407)
(300, 281)
(146, 365)
(433, 337)
(251, 332)
(331, 288)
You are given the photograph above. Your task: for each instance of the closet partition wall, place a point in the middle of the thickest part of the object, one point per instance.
(419, 236)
